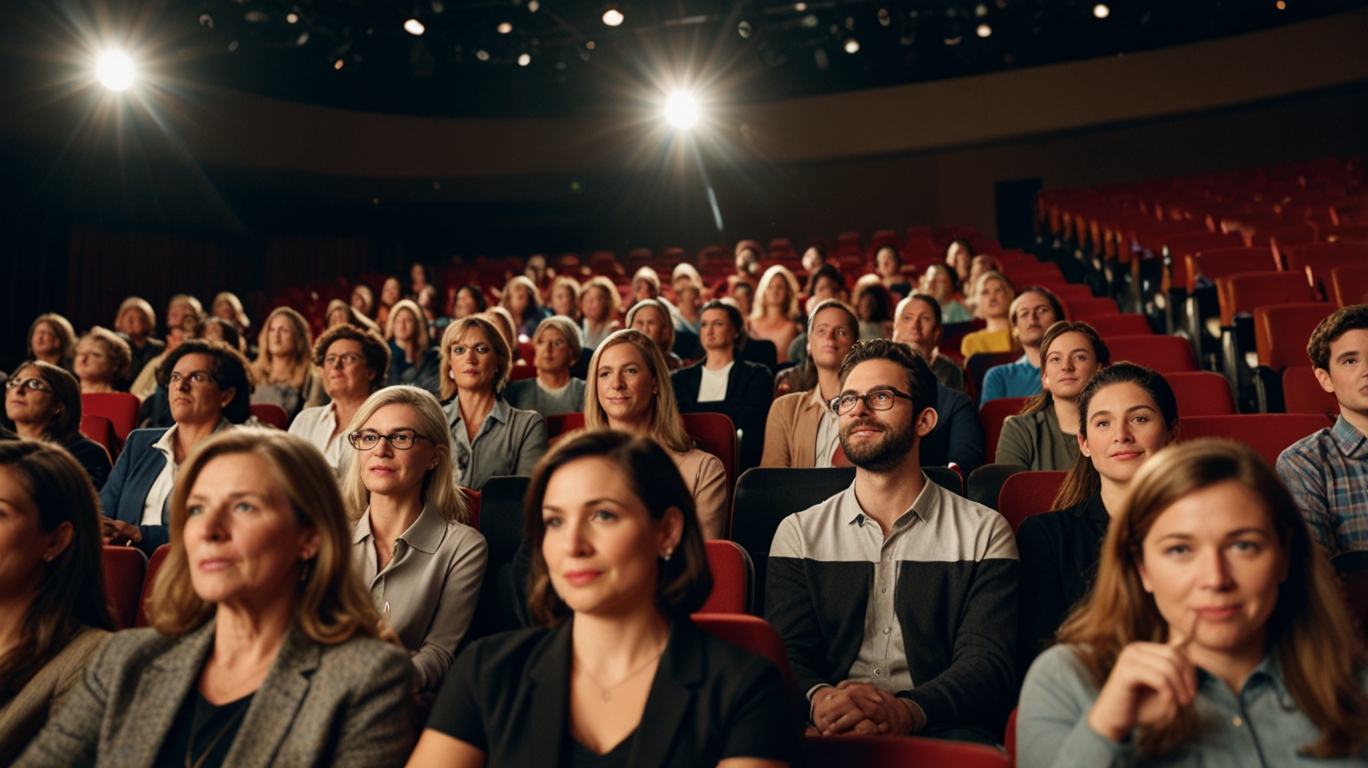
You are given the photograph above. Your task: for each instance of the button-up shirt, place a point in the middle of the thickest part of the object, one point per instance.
(509, 442)
(319, 426)
(155, 505)
(1259, 726)
(828, 432)
(1327, 473)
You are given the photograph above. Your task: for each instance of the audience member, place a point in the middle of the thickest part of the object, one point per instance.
(917, 323)
(210, 391)
(390, 294)
(43, 402)
(888, 265)
(522, 300)
(411, 539)
(600, 304)
(430, 304)
(802, 430)
(285, 373)
(1327, 471)
(565, 298)
(775, 317)
(723, 383)
(959, 255)
(742, 297)
(341, 313)
(1032, 311)
(51, 340)
(263, 643)
(995, 296)
(553, 391)
(413, 361)
(363, 301)
(537, 272)
(941, 282)
(747, 265)
(689, 300)
(135, 322)
(353, 364)
(826, 283)
(874, 306)
(1216, 633)
(145, 385)
(1044, 436)
(1127, 413)
(488, 436)
(218, 329)
(503, 322)
(617, 673)
(229, 307)
(645, 284)
(53, 617)
(985, 262)
(102, 359)
(896, 598)
(630, 394)
(418, 280)
(181, 308)
(470, 300)
(652, 317)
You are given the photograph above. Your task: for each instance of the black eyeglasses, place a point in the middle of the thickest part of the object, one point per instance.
(877, 400)
(399, 439)
(32, 385)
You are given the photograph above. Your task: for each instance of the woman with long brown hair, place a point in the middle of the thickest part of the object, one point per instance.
(284, 369)
(1044, 436)
(1216, 633)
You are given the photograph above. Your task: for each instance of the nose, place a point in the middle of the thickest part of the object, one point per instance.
(576, 543)
(861, 409)
(1124, 432)
(212, 525)
(184, 384)
(1214, 572)
(383, 448)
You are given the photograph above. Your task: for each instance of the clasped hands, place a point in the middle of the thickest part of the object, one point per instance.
(860, 709)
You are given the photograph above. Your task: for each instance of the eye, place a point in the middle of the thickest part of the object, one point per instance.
(243, 506)
(194, 510)
(552, 522)
(1247, 547)
(604, 515)
(1177, 549)
(1101, 424)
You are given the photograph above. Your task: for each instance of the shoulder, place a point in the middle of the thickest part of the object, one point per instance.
(790, 403)
(1038, 530)
(126, 652)
(363, 658)
(525, 419)
(1060, 671)
(1307, 452)
(727, 664)
(307, 418)
(141, 439)
(518, 388)
(504, 656)
(985, 534)
(948, 399)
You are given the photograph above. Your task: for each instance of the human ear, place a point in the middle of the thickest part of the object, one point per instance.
(1083, 444)
(926, 421)
(227, 396)
(671, 529)
(1144, 576)
(61, 539)
(1323, 376)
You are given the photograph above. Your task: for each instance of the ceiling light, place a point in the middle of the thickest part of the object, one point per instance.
(115, 70)
(533, 6)
(681, 110)
(1101, 11)
(956, 40)
(337, 64)
(852, 45)
(504, 28)
(981, 10)
(589, 45)
(744, 29)
(613, 17)
(800, 7)
(414, 27)
(1281, 5)
(524, 59)
(293, 18)
(984, 30)
(482, 55)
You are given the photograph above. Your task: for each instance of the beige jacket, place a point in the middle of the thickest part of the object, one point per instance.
(46, 693)
(707, 480)
(791, 431)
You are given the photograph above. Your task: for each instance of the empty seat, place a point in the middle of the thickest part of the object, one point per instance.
(271, 415)
(716, 434)
(1302, 392)
(1349, 285)
(124, 569)
(120, 408)
(1268, 433)
(1241, 294)
(1201, 393)
(1317, 260)
(732, 572)
(1281, 332)
(991, 417)
(1121, 324)
(899, 752)
(1180, 246)
(1028, 493)
(1223, 262)
(1165, 354)
(1088, 309)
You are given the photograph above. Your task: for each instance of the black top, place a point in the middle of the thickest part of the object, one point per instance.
(1059, 552)
(576, 755)
(203, 731)
(93, 457)
(750, 392)
(508, 696)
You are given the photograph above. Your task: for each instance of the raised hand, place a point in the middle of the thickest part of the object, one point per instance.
(1148, 685)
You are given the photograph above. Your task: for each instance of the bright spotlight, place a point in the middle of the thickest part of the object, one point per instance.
(681, 110)
(524, 59)
(115, 70)
(852, 46)
(504, 28)
(613, 17)
(984, 30)
(1101, 11)
(414, 27)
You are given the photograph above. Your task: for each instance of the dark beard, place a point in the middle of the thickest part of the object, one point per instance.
(882, 456)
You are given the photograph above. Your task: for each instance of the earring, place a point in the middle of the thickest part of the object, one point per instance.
(666, 556)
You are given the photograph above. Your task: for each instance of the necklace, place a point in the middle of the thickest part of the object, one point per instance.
(608, 690)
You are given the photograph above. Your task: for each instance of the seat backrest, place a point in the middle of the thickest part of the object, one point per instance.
(1201, 393)
(501, 516)
(900, 752)
(1224, 262)
(984, 485)
(522, 371)
(154, 565)
(1302, 392)
(99, 429)
(1028, 493)
(526, 352)
(1319, 259)
(120, 408)
(1121, 324)
(1281, 332)
(562, 423)
(1070, 292)
(753, 634)
(1240, 294)
(124, 569)
(761, 351)
(272, 414)
(1086, 309)
(716, 434)
(732, 572)
(992, 414)
(977, 367)
(473, 504)
(1349, 285)
(1268, 433)
(1165, 354)
(948, 478)
(1180, 246)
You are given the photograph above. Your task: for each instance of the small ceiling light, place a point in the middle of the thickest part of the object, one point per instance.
(589, 45)
(414, 27)
(981, 10)
(852, 46)
(293, 18)
(115, 70)
(800, 7)
(256, 17)
(613, 17)
(482, 55)
(438, 7)
(504, 28)
(1101, 11)
(337, 64)
(524, 59)
(207, 20)
(956, 40)
(984, 30)
(1281, 5)
(533, 6)
(681, 110)
(744, 29)
(302, 39)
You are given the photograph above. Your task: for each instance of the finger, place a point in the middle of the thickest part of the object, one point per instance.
(1180, 639)
(1177, 665)
(1161, 676)
(868, 728)
(849, 720)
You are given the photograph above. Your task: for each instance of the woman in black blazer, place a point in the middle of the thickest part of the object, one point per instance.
(618, 675)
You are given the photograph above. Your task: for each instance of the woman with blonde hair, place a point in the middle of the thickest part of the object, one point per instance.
(135, 321)
(775, 314)
(412, 357)
(229, 307)
(263, 647)
(522, 299)
(52, 340)
(284, 369)
(489, 436)
(600, 305)
(993, 294)
(1216, 633)
(411, 539)
(652, 317)
(102, 359)
(553, 391)
(1044, 435)
(630, 391)
(565, 297)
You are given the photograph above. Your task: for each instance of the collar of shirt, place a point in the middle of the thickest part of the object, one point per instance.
(167, 448)
(425, 535)
(1269, 672)
(1025, 362)
(1093, 509)
(499, 414)
(1349, 440)
(819, 403)
(923, 508)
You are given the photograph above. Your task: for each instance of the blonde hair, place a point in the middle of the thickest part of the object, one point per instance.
(533, 295)
(419, 320)
(333, 605)
(140, 304)
(665, 317)
(614, 298)
(507, 326)
(566, 328)
(439, 485)
(667, 425)
(119, 352)
(1006, 284)
(303, 348)
(572, 285)
(503, 354)
(239, 314)
(776, 272)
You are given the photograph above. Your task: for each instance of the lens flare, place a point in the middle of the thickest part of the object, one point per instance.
(681, 110)
(115, 70)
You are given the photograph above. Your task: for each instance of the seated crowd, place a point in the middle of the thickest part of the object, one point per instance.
(321, 597)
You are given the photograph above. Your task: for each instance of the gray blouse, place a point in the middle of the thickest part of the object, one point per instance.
(1035, 442)
(530, 395)
(428, 590)
(509, 442)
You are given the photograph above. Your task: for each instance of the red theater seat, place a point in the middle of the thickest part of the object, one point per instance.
(1302, 392)
(473, 504)
(99, 429)
(150, 581)
(1088, 309)
(751, 633)
(271, 414)
(1201, 393)
(1282, 331)
(1268, 433)
(120, 408)
(124, 568)
(991, 417)
(1028, 493)
(1121, 324)
(898, 752)
(732, 573)
(1349, 285)
(1165, 354)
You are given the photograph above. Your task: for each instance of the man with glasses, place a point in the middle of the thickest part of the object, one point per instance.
(896, 598)
(353, 362)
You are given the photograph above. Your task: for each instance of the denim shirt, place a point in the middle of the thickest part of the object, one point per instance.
(1260, 726)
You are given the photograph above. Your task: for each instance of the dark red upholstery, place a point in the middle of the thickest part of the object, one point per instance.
(150, 580)
(1121, 324)
(124, 568)
(565, 422)
(991, 416)
(1282, 330)
(522, 370)
(1302, 392)
(898, 752)
(1165, 354)
(752, 633)
(99, 429)
(1201, 393)
(716, 435)
(272, 414)
(1224, 262)
(1028, 493)
(732, 572)
(473, 504)
(1268, 433)
(1087, 309)
(1349, 285)
(120, 408)
(1242, 293)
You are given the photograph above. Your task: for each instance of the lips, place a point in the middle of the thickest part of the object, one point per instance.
(581, 578)
(1126, 455)
(215, 564)
(1218, 612)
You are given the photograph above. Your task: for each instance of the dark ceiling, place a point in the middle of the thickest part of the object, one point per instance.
(558, 57)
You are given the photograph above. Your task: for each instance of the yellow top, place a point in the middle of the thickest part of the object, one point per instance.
(983, 342)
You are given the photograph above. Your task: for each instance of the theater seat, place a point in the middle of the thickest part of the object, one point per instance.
(1302, 392)
(1028, 493)
(473, 504)
(978, 365)
(124, 569)
(1009, 741)
(1281, 332)
(753, 634)
(732, 572)
(563, 423)
(99, 429)
(1121, 324)
(991, 417)
(521, 371)
(154, 565)
(1268, 433)
(1201, 393)
(271, 414)
(1165, 354)
(716, 434)
(120, 408)
(1088, 309)
(898, 752)
(1349, 285)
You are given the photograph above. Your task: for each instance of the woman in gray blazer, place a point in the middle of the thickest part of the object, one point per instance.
(263, 650)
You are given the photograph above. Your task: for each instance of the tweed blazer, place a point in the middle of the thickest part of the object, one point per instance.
(46, 693)
(320, 705)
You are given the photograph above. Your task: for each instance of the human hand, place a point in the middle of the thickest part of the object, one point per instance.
(118, 532)
(834, 712)
(888, 713)
(1150, 683)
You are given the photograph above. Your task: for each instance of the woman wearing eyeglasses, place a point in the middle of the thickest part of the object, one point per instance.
(353, 361)
(43, 402)
(420, 561)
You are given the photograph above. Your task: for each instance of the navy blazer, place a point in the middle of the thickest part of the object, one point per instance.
(750, 392)
(957, 436)
(125, 493)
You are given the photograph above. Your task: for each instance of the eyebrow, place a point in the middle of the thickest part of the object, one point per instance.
(1070, 352)
(1231, 534)
(1131, 409)
(1347, 353)
(590, 503)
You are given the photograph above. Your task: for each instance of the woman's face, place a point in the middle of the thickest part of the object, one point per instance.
(825, 288)
(92, 361)
(959, 260)
(45, 341)
(390, 472)
(195, 397)
(35, 407)
(601, 545)
(345, 375)
(887, 263)
(939, 284)
(643, 289)
(177, 312)
(417, 275)
(24, 545)
(867, 307)
(390, 292)
(280, 337)
(994, 300)
(518, 300)
(563, 301)
(743, 294)
(1124, 429)
(594, 304)
(777, 293)
(224, 309)
(1069, 363)
(473, 361)
(360, 301)
(134, 323)
(465, 304)
(649, 321)
(405, 326)
(338, 316)
(1213, 562)
(242, 537)
(553, 352)
(624, 383)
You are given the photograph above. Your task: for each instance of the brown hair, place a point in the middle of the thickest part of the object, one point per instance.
(116, 349)
(65, 426)
(921, 382)
(333, 605)
(503, 354)
(60, 326)
(684, 581)
(667, 425)
(373, 348)
(1310, 629)
(1351, 318)
(303, 345)
(610, 291)
(230, 372)
(572, 285)
(1044, 398)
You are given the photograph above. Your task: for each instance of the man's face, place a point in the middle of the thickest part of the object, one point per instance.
(873, 440)
(831, 338)
(1347, 378)
(1033, 315)
(916, 325)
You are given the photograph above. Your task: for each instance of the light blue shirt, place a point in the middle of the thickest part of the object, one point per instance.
(1017, 379)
